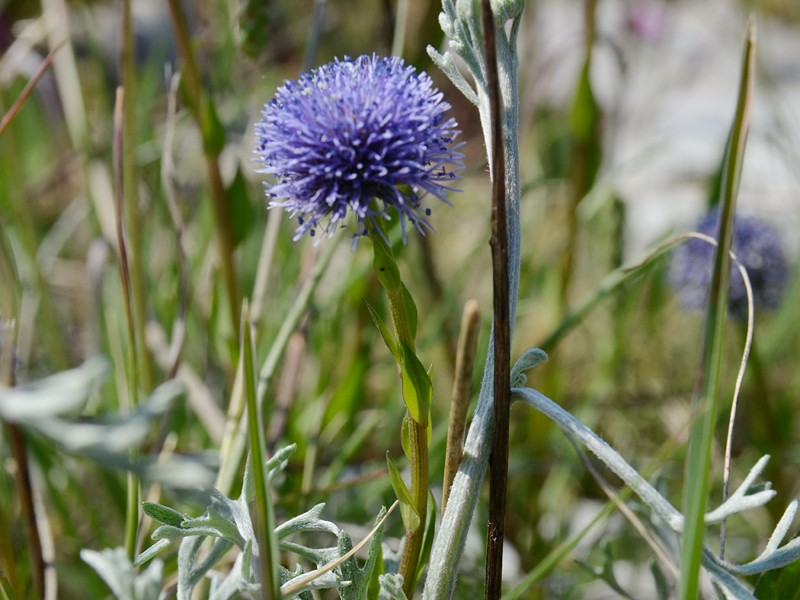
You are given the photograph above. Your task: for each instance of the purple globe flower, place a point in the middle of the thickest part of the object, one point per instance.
(358, 135)
(756, 245)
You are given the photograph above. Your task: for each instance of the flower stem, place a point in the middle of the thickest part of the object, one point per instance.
(418, 443)
(403, 314)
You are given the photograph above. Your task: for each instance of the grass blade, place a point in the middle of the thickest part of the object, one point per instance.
(705, 399)
(265, 517)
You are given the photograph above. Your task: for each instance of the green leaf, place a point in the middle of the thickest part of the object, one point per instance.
(427, 540)
(529, 359)
(385, 265)
(705, 400)
(411, 311)
(388, 338)
(409, 515)
(55, 395)
(151, 552)
(391, 587)
(212, 129)
(243, 215)
(781, 583)
(163, 514)
(405, 440)
(359, 577)
(417, 388)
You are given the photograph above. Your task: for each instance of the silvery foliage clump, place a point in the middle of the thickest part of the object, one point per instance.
(461, 23)
(748, 495)
(227, 526)
(54, 407)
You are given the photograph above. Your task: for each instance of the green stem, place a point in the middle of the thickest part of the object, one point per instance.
(265, 523)
(232, 447)
(213, 141)
(132, 375)
(705, 401)
(403, 314)
(418, 443)
(130, 199)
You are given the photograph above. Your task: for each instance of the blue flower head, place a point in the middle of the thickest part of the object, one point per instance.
(358, 135)
(756, 245)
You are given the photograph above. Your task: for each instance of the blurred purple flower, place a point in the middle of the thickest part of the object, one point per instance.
(757, 246)
(358, 135)
(648, 21)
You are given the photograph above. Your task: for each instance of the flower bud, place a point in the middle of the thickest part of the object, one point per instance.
(506, 10)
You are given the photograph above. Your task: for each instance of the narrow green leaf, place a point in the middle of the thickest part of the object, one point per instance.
(411, 312)
(212, 129)
(6, 591)
(706, 396)
(163, 514)
(405, 440)
(151, 552)
(243, 215)
(417, 388)
(409, 515)
(781, 583)
(385, 266)
(265, 523)
(427, 540)
(388, 338)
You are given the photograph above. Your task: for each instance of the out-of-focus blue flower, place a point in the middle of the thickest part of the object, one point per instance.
(756, 245)
(358, 135)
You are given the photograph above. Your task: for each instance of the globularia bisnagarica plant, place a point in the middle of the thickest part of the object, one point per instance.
(366, 145)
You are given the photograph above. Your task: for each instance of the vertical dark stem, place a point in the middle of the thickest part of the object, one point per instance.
(498, 460)
(20, 453)
(132, 376)
(213, 141)
(130, 201)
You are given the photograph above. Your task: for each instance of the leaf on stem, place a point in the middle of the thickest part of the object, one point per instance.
(411, 519)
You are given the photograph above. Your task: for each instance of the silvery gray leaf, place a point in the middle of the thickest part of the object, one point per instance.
(57, 395)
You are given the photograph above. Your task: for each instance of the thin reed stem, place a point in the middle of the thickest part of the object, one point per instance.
(8, 118)
(132, 375)
(462, 392)
(205, 116)
(234, 441)
(265, 521)
(130, 201)
(705, 400)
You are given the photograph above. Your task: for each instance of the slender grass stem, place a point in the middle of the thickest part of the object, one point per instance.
(130, 201)
(265, 523)
(233, 443)
(705, 400)
(462, 391)
(213, 141)
(20, 230)
(132, 375)
(8, 118)
(25, 489)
